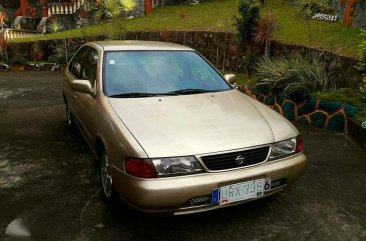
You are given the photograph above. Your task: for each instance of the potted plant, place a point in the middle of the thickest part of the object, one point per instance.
(17, 63)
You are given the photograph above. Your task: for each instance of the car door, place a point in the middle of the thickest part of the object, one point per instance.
(85, 104)
(72, 73)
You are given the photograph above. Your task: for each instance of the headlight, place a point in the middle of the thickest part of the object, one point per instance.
(176, 165)
(286, 148)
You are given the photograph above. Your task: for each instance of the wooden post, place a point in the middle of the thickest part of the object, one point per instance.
(148, 6)
(23, 7)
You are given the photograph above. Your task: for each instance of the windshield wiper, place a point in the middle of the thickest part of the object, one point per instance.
(176, 92)
(192, 91)
(139, 95)
(133, 95)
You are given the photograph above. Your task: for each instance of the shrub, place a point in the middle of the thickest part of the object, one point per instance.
(249, 62)
(291, 74)
(62, 53)
(363, 88)
(115, 11)
(264, 31)
(247, 19)
(314, 6)
(18, 60)
(297, 92)
(53, 58)
(362, 51)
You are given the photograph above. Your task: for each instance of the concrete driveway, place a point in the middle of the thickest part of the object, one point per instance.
(48, 178)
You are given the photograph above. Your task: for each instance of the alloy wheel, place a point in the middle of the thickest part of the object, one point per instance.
(105, 176)
(69, 117)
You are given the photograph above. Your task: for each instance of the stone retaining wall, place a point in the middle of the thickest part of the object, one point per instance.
(327, 114)
(219, 48)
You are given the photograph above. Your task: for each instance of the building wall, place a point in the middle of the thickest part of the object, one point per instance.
(140, 9)
(69, 21)
(358, 15)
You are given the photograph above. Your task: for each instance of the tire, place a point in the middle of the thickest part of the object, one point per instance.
(69, 117)
(106, 182)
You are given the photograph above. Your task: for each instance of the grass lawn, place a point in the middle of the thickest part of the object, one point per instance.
(218, 15)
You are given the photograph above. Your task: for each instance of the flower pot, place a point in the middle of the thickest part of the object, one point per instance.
(17, 68)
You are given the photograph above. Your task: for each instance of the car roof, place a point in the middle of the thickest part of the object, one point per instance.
(139, 45)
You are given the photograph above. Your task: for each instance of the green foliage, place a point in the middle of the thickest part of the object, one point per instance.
(113, 9)
(362, 52)
(17, 60)
(249, 62)
(247, 19)
(311, 7)
(62, 53)
(54, 58)
(363, 88)
(264, 31)
(115, 12)
(294, 74)
(297, 92)
(55, 26)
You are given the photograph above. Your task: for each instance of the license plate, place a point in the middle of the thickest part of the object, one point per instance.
(240, 191)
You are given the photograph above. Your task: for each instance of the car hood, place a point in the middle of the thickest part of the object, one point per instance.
(200, 123)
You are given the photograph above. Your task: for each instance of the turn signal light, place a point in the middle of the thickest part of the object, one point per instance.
(142, 168)
(299, 144)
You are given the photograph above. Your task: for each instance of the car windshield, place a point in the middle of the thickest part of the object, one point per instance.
(133, 74)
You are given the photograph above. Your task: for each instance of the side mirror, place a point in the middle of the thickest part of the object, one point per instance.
(231, 78)
(82, 86)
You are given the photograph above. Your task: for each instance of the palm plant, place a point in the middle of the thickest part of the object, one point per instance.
(264, 32)
(115, 11)
(55, 26)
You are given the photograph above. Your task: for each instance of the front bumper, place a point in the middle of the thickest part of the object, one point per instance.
(171, 194)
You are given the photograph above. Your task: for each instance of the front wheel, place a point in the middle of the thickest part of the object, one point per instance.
(69, 118)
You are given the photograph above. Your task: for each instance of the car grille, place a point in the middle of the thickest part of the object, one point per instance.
(229, 160)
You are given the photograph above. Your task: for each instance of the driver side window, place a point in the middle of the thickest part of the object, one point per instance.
(77, 64)
(90, 69)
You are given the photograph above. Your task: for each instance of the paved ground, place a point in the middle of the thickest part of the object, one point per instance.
(48, 178)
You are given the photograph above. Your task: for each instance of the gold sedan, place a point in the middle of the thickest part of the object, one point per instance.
(171, 134)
